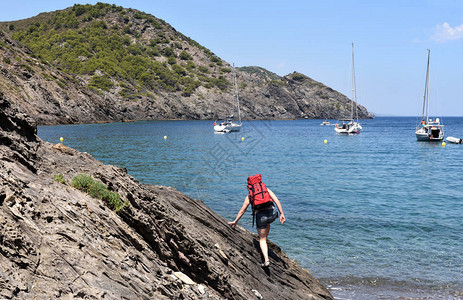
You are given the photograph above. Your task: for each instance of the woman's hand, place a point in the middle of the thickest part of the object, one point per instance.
(282, 218)
(232, 224)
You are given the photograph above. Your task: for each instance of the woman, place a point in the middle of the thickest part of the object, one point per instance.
(264, 217)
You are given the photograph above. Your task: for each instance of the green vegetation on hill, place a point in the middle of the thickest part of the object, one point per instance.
(117, 47)
(260, 72)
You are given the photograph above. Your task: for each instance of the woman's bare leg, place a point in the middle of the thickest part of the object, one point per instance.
(263, 234)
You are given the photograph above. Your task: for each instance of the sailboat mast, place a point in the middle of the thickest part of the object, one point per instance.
(354, 91)
(236, 97)
(426, 91)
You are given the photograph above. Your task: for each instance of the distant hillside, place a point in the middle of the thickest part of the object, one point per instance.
(98, 63)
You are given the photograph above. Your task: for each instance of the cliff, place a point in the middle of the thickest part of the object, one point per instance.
(104, 63)
(59, 242)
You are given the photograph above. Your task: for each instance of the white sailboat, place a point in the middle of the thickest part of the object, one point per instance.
(428, 129)
(350, 125)
(229, 124)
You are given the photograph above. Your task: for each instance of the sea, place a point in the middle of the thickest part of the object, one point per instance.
(375, 215)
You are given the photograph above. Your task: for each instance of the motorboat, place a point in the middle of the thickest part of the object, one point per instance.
(326, 122)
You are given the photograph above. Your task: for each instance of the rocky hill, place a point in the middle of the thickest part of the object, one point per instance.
(59, 240)
(104, 63)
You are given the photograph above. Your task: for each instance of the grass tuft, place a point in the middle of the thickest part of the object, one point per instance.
(100, 191)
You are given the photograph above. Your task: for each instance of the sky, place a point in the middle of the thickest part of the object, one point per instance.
(390, 39)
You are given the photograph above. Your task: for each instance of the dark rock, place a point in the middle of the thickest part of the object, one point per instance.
(57, 241)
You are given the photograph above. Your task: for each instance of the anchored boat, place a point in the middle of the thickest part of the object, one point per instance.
(229, 124)
(350, 125)
(428, 129)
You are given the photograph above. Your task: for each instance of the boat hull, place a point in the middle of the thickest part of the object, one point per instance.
(348, 128)
(231, 127)
(430, 133)
(426, 138)
(455, 140)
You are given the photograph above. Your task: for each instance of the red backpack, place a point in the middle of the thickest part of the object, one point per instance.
(258, 194)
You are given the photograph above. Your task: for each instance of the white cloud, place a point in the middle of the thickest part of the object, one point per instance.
(445, 32)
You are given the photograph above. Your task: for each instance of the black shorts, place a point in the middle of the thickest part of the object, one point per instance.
(265, 217)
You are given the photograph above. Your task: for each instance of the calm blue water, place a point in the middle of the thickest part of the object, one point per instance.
(376, 215)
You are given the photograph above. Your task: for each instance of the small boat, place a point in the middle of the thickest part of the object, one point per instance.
(428, 129)
(326, 122)
(229, 124)
(350, 125)
(455, 140)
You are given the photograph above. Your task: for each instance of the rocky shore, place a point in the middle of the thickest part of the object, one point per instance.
(58, 242)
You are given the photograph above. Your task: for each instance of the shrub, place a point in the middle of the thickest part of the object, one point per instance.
(169, 52)
(82, 182)
(79, 9)
(203, 69)
(100, 191)
(215, 59)
(101, 82)
(171, 60)
(298, 77)
(221, 83)
(190, 66)
(59, 178)
(179, 70)
(97, 190)
(185, 55)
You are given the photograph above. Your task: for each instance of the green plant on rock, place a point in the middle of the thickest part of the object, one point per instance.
(185, 55)
(203, 69)
(100, 191)
(82, 182)
(59, 178)
(171, 60)
(298, 77)
(101, 82)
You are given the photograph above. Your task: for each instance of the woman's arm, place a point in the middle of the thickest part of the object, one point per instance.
(241, 212)
(277, 202)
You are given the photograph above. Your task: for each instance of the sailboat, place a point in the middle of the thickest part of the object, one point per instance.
(350, 125)
(428, 129)
(229, 124)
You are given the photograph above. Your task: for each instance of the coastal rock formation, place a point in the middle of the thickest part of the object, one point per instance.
(59, 242)
(138, 67)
